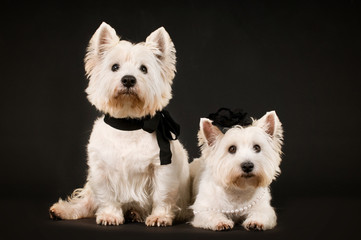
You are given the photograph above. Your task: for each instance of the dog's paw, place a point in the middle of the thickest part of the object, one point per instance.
(158, 221)
(260, 221)
(224, 225)
(62, 210)
(133, 216)
(54, 213)
(253, 226)
(109, 219)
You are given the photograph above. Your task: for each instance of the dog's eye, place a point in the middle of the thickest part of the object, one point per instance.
(115, 67)
(256, 148)
(232, 149)
(143, 69)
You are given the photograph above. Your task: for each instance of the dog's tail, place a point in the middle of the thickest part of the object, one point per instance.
(79, 205)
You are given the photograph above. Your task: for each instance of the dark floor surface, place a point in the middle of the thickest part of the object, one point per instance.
(298, 218)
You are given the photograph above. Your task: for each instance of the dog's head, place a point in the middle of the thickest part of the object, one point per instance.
(129, 80)
(243, 156)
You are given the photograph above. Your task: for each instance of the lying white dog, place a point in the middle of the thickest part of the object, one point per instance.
(231, 179)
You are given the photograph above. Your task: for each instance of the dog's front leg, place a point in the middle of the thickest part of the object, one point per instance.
(215, 221)
(165, 193)
(262, 217)
(109, 211)
(109, 214)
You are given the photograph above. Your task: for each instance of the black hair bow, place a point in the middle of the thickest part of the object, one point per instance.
(224, 118)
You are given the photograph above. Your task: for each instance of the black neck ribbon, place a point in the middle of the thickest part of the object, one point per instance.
(161, 123)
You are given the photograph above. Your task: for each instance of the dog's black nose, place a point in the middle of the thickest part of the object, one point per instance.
(247, 167)
(129, 81)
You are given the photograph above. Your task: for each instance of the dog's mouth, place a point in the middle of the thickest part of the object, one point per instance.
(127, 92)
(247, 175)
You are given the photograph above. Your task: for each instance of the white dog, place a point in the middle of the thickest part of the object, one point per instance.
(231, 179)
(135, 171)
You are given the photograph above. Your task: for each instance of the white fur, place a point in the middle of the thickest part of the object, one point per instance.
(219, 181)
(125, 174)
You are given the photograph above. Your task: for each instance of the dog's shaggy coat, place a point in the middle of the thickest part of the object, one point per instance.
(125, 178)
(225, 186)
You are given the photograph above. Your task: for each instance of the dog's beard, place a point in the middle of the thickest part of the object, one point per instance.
(127, 97)
(126, 103)
(243, 180)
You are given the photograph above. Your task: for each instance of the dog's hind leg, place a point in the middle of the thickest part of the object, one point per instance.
(79, 205)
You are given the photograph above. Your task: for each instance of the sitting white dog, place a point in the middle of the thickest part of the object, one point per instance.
(136, 170)
(231, 178)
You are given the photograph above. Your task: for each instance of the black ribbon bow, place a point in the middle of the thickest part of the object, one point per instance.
(225, 118)
(162, 123)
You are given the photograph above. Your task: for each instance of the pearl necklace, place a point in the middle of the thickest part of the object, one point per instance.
(235, 211)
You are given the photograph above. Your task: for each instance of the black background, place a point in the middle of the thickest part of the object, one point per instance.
(300, 58)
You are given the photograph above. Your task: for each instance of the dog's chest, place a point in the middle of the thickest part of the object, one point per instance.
(136, 151)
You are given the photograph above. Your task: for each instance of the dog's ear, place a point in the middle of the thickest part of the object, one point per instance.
(103, 39)
(272, 125)
(208, 133)
(163, 48)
